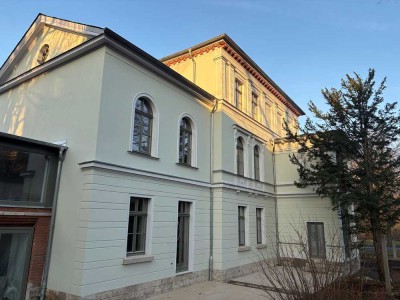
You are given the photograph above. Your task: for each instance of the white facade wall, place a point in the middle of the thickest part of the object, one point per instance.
(104, 212)
(60, 105)
(123, 82)
(227, 253)
(297, 206)
(90, 107)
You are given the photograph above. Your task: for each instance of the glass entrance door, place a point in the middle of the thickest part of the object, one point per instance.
(15, 250)
(182, 241)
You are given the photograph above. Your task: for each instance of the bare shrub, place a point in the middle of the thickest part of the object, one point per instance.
(296, 274)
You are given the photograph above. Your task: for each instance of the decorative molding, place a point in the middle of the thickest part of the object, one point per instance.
(95, 164)
(197, 52)
(223, 44)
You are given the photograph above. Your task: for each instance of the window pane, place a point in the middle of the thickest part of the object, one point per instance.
(185, 142)
(24, 175)
(142, 126)
(316, 239)
(146, 107)
(258, 225)
(130, 224)
(139, 104)
(129, 244)
(140, 242)
(239, 157)
(258, 212)
(241, 232)
(136, 238)
(144, 145)
(241, 225)
(14, 251)
(141, 224)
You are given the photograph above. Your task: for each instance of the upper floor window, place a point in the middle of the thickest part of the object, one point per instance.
(142, 127)
(185, 142)
(238, 94)
(254, 106)
(256, 163)
(240, 157)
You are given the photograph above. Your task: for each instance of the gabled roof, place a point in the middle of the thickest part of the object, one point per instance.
(99, 37)
(37, 25)
(225, 42)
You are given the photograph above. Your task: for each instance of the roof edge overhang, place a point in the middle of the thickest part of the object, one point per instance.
(111, 39)
(234, 50)
(24, 141)
(37, 25)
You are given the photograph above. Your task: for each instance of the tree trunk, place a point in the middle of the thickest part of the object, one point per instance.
(378, 253)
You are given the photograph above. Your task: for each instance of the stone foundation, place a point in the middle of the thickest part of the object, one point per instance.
(139, 291)
(228, 274)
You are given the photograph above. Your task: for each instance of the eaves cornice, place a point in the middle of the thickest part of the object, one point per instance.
(122, 46)
(226, 43)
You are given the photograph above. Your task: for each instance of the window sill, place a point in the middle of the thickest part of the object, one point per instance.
(261, 246)
(182, 273)
(187, 166)
(244, 248)
(142, 154)
(136, 259)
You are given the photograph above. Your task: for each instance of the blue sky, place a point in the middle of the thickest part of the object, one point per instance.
(303, 45)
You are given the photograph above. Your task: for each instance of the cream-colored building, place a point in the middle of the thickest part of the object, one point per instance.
(176, 170)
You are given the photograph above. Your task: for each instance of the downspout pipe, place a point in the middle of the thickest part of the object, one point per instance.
(52, 223)
(276, 201)
(194, 65)
(211, 259)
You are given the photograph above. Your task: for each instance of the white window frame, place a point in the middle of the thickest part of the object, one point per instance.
(155, 124)
(261, 153)
(242, 106)
(268, 119)
(246, 226)
(255, 114)
(263, 237)
(246, 140)
(193, 160)
(242, 78)
(279, 121)
(191, 235)
(323, 247)
(146, 257)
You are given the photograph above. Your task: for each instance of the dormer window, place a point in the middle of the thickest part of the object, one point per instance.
(43, 54)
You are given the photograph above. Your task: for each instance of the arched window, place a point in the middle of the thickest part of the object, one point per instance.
(240, 157)
(185, 142)
(256, 163)
(142, 127)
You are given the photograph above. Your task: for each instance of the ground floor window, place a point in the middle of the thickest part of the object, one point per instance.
(241, 225)
(15, 250)
(259, 213)
(316, 239)
(182, 237)
(137, 225)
